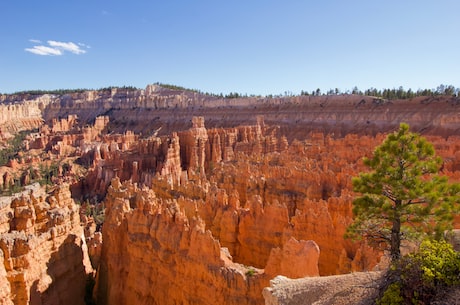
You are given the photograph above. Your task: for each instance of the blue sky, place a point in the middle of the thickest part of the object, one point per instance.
(250, 46)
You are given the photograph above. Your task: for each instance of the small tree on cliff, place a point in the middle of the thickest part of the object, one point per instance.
(402, 197)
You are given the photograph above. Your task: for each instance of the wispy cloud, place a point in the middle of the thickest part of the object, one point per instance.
(56, 48)
(42, 50)
(66, 46)
(84, 45)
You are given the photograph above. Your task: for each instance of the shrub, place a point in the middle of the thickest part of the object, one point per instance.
(250, 272)
(392, 295)
(417, 278)
(440, 263)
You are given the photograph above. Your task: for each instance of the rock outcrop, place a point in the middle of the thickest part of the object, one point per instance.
(177, 258)
(281, 261)
(43, 250)
(352, 288)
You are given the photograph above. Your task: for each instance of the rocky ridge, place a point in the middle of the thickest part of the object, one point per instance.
(155, 108)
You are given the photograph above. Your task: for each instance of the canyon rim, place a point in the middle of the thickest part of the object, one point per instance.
(161, 196)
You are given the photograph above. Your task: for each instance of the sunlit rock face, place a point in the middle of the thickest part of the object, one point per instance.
(252, 189)
(177, 259)
(265, 206)
(43, 250)
(153, 108)
(21, 112)
(225, 233)
(153, 252)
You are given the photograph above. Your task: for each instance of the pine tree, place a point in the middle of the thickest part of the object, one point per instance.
(402, 197)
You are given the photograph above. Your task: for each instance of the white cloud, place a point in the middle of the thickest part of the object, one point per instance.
(66, 46)
(42, 50)
(56, 48)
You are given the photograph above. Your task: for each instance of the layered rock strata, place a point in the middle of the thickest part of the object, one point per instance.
(156, 108)
(23, 115)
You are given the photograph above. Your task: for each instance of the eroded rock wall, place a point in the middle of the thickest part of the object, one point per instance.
(159, 109)
(154, 254)
(43, 250)
(255, 191)
(22, 114)
(231, 226)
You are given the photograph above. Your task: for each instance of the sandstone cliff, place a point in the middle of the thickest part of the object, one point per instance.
(43, 251)
(22, 112)
(147, 110)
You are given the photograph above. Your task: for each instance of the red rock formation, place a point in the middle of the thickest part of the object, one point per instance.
(5, 289)
(290, 260)
(177, 259)
(43, 250)
(136, 160)
(63, 125)
(193, 144)
(271, 199)
(261, 195)
(237, 193)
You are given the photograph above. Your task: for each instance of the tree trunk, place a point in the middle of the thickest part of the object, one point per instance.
(395, 246)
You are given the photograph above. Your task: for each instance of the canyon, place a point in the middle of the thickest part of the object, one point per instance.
(164, 196)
